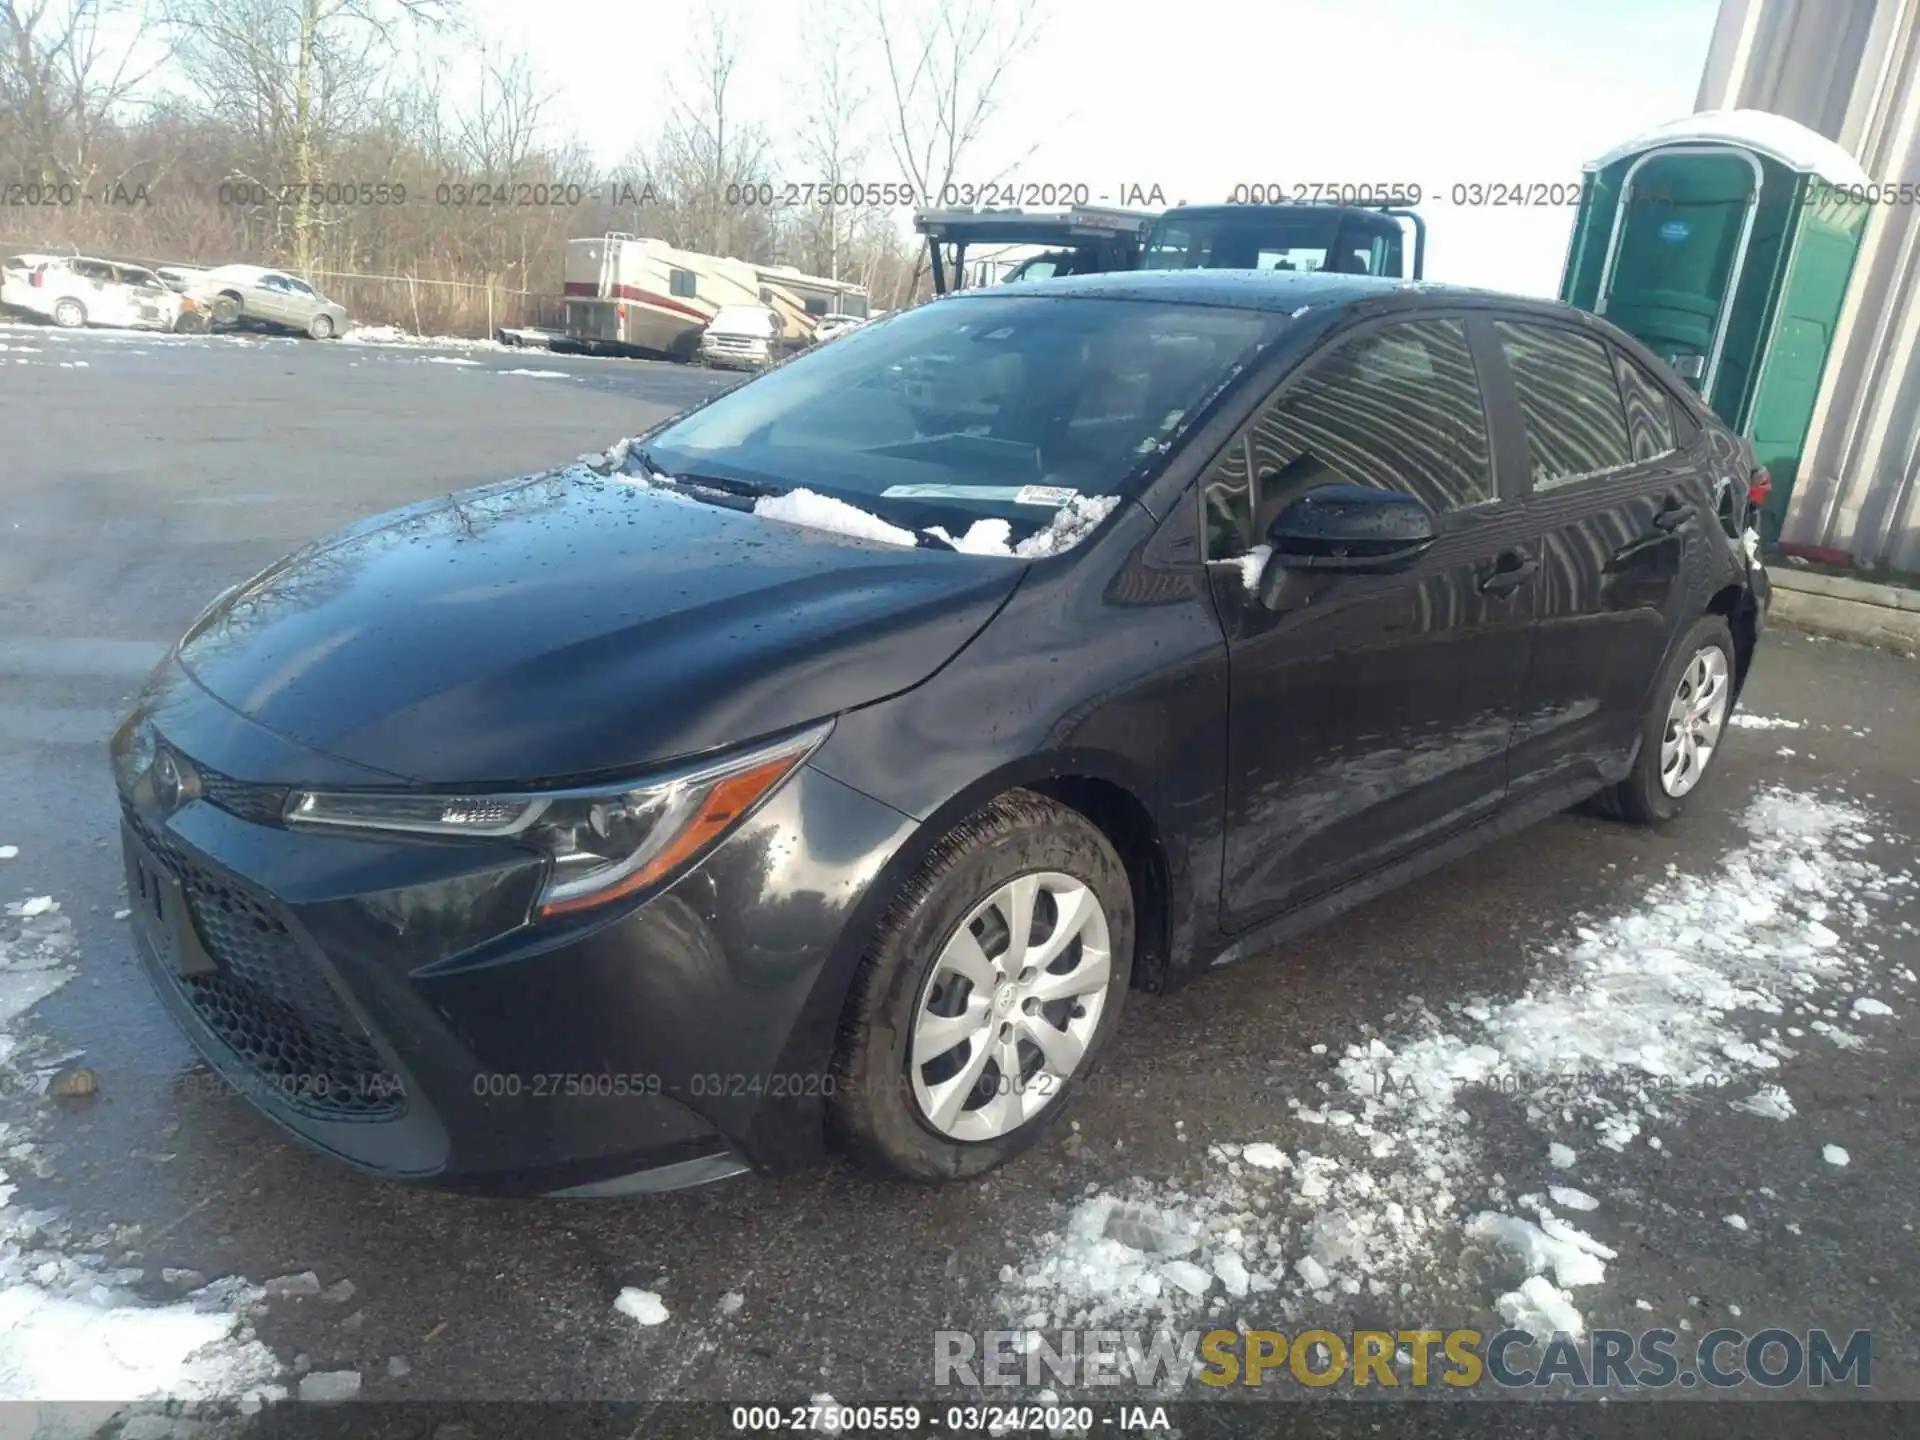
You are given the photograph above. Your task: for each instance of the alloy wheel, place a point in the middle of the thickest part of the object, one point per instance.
(1695, 718)
(1011, 1006)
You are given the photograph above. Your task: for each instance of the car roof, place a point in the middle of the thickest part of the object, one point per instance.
(1275, 290)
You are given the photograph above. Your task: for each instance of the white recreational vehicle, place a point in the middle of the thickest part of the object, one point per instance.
(628, 292)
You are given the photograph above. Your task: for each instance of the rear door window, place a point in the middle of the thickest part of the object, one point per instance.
(1576, 423)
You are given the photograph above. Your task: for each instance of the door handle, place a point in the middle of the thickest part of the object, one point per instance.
(1675, 514)
(1511, 569)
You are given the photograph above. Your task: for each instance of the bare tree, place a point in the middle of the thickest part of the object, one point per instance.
(947, 72)
(294, 75)
(836, 138)
(62, 80)
(709, 158)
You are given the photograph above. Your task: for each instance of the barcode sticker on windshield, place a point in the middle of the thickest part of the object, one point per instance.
(1054, 495)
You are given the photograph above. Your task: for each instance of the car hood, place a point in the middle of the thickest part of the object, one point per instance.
(571, 625)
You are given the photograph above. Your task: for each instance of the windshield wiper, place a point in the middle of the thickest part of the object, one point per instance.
(747, 488)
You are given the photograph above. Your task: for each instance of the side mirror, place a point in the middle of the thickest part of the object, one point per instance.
(1353, 529)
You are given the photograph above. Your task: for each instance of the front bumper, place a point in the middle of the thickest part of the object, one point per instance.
(735, 356)
(392, 1003)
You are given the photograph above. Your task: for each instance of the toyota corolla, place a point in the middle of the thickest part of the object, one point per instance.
(826, 767)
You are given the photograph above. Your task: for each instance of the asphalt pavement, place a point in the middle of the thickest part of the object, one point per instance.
(140, 475)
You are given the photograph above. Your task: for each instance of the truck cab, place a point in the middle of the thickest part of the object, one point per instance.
(1339, 239)
(1087, 240)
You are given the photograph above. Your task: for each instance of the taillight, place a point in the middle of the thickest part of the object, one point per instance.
(1760, 485)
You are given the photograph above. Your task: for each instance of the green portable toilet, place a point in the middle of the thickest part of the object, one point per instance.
(1724, 242)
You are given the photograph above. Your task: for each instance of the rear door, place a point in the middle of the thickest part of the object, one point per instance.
(1618, 494)
(271, 299)
(1370, 714)
(303, 302)
(94, 286)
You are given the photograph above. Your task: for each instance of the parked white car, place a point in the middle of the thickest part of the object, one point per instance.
(748, 337)
(77, 290)
(828, 326)
(234, 293)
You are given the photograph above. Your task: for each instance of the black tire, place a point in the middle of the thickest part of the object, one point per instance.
(1641, 799)
(226, 310)
(69, 314)
(874, 1115)
(320, 327)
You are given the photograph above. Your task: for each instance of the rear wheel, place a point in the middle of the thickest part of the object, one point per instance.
(69, 314)
(989, 991)
(1683, 729)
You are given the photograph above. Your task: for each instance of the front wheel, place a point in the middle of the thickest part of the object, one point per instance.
(984, 1001)
(226, 310)
(1683, 728)
(321, 327)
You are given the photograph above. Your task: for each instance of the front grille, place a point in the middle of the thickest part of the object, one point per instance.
(262, 804)
(744, 346)
(271, 1005)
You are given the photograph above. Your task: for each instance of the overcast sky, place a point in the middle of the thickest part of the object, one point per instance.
(1197, 96)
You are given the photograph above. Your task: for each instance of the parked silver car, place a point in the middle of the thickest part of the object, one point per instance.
(237, 293)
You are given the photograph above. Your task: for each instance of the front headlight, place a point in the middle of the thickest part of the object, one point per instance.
(604, 841)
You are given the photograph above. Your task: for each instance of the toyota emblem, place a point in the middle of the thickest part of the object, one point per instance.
(173, 781)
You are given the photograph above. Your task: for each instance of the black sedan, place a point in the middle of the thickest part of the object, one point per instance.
(824, 768)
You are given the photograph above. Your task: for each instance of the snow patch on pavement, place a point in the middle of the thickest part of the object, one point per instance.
(1770, 1101)
(73, 1328)
(539, 374)
(642, 1305)
(1741, 720)
(1627, 1017)
(393, 337)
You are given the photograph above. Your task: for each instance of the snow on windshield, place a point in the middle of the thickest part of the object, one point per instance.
(1072, 522)
(823, 512)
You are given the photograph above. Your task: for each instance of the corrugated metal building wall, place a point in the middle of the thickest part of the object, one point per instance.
(1849, 69)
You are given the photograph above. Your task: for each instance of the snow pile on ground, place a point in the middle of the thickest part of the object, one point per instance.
(1742, 720)
(644, 1306)
(393, 335)
(1627, 1016)
(72, 1327)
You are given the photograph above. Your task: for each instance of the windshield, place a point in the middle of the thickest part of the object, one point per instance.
(1256, 241)
(974, 407)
